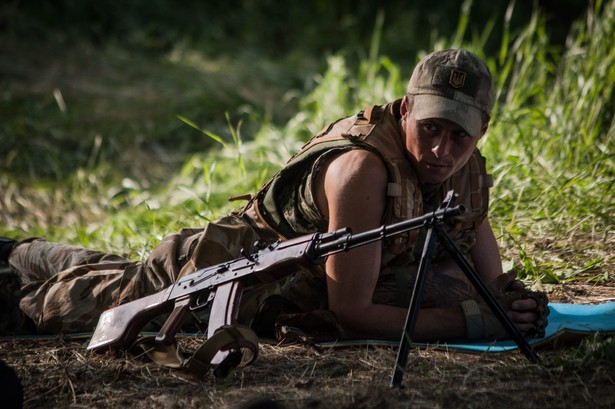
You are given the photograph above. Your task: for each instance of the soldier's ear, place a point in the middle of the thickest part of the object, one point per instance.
(484, 128)
(403, 108)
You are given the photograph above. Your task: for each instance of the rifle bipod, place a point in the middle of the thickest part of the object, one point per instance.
(435, 232)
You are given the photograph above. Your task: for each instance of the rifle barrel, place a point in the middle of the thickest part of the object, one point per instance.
(350, 241)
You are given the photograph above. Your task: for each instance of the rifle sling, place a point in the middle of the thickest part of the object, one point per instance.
(228, 338)
(167, 355)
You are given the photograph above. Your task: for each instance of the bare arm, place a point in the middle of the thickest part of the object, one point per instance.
(486, 253)
(488, 264)
(352, 192)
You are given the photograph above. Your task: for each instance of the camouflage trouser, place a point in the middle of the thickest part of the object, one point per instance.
(66, 288)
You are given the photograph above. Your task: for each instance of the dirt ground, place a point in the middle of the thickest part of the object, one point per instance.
(59, 372)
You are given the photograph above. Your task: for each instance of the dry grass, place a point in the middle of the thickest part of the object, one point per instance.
(59, 373)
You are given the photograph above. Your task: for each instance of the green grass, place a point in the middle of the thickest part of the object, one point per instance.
(104, 172)
(552, 141)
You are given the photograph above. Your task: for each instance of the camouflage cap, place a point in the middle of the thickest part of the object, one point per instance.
(454, 85)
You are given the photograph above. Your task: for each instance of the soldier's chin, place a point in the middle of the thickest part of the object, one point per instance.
(436, 174)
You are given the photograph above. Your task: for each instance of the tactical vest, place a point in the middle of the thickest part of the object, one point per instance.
(277, 206)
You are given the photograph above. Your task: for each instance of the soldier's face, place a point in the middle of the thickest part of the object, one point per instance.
(437, 147)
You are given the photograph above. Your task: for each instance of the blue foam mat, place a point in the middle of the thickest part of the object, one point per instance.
(567, 323)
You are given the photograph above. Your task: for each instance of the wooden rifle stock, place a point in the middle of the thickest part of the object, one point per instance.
(119, 326)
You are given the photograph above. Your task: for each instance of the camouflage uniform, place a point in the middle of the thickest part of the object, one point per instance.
(66, 288)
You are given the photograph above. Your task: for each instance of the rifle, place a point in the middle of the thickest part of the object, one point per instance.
(220, 287)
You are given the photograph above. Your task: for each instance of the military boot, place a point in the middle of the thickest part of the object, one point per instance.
(12, 319)
(6, 245)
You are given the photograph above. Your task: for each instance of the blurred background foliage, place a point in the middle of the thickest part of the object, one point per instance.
(124, 69)
(270, 27)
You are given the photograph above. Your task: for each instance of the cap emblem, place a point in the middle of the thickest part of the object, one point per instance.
(457, 79)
